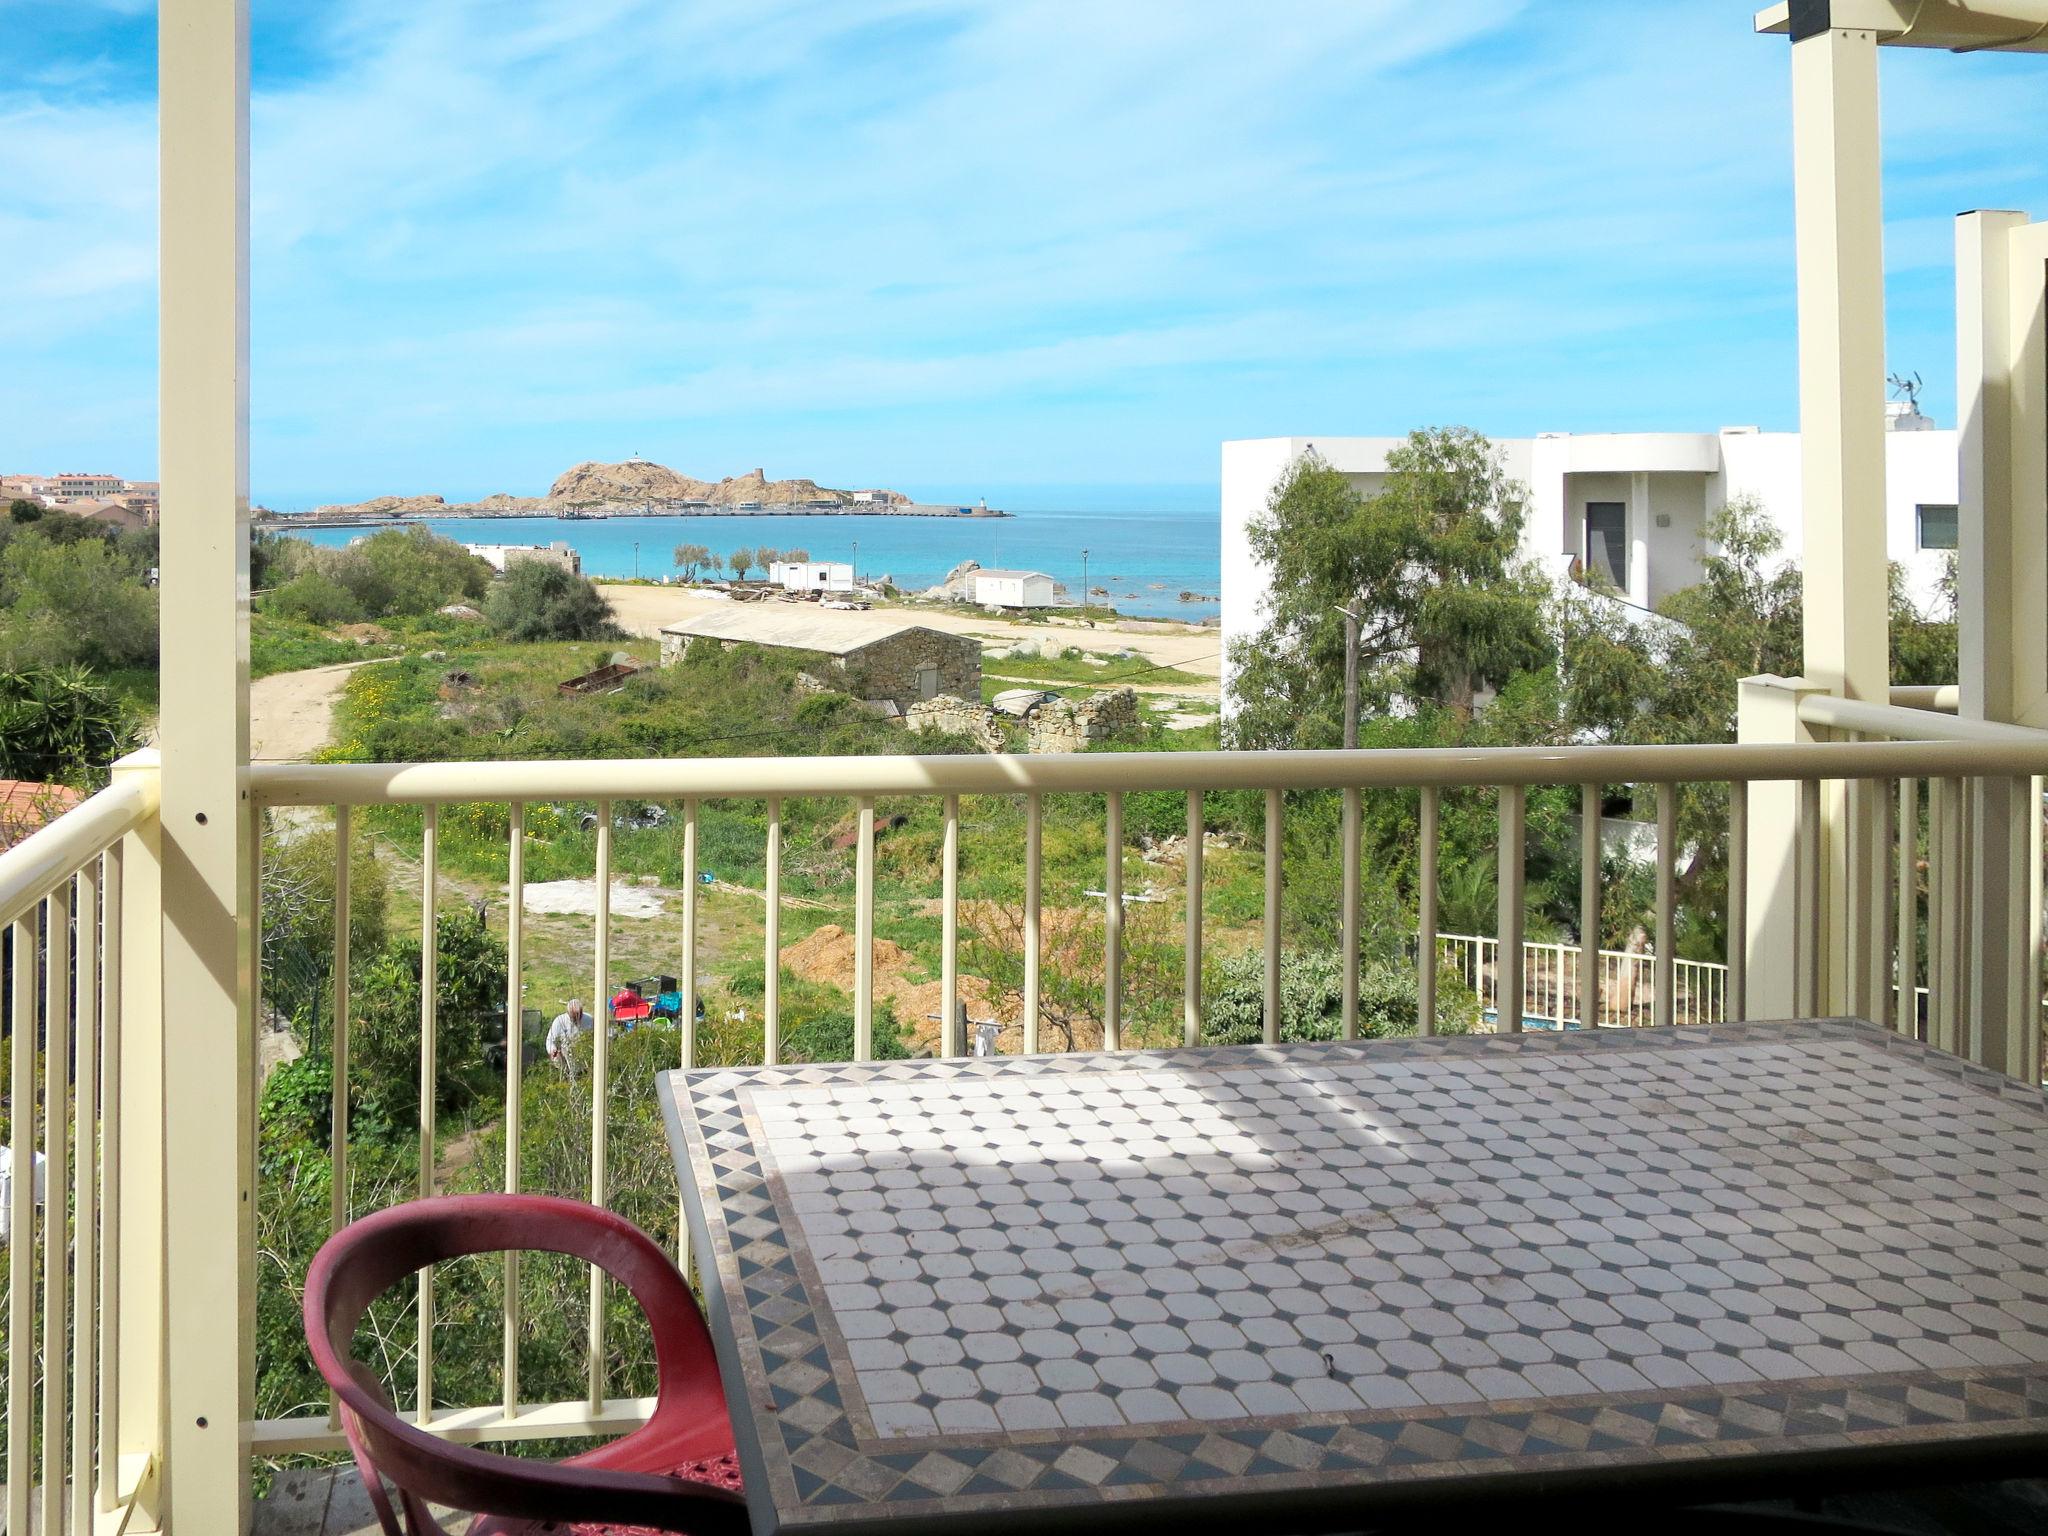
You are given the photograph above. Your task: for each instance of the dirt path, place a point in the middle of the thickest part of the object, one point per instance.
(291, 714)
(643, 610)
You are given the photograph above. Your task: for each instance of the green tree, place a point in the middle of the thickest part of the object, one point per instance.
(65, 603)
(1674, 678)
(22, 510)
(690, 558)
(57, 724)
(739, 562)
(1428, 564)
(299, 910)
(385, 1042)
(1923, 645)
(538, 600)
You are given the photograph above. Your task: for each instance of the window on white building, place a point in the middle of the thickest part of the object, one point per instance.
(1938, 526)
(1607, 541)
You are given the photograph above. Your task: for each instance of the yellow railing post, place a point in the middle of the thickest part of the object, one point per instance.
(208, 906)
(133, 1349)
(1767, 711)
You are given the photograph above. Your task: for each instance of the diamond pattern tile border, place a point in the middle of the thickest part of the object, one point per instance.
(1682, 1249)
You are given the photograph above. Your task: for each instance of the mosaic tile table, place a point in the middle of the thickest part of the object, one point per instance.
(1308, 1283)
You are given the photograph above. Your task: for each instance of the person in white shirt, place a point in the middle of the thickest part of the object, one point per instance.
(562, 1034)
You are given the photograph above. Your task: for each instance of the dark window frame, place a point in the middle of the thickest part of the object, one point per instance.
(1955, 525)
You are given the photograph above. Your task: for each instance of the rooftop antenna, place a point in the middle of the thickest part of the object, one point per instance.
(1906, 389)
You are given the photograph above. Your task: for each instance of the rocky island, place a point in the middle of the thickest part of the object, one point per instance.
(642, 488)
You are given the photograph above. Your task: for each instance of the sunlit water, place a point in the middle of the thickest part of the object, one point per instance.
(1144, 559)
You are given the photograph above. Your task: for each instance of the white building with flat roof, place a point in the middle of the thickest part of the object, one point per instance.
(1013, 589)
(1632, 506)
(811, 575)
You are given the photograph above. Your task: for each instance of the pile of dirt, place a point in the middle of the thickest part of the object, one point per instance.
(827, 956)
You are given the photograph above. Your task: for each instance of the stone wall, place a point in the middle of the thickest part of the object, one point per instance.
(958, 717)
(884, 669)
(1058, 725)
(1072, 725)
(888, 668)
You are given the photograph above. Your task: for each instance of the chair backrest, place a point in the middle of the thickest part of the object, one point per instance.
(368, 1257)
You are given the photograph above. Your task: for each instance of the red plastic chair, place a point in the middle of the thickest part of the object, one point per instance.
(675, 1473)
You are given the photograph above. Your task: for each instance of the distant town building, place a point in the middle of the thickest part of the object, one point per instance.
(502, 557)
(811, 575)
(871, 656)
(1629, 507)
(113, 514)
(81, 493)
(1013, 589)
(68, 486)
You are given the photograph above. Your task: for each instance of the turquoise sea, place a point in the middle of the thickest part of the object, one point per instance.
(1145, 559)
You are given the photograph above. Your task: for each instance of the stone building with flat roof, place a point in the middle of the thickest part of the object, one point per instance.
(869, 655)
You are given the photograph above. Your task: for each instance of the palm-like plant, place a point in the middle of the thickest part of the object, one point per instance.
(59, 724)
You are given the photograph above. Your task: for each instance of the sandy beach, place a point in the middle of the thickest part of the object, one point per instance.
(644, 610)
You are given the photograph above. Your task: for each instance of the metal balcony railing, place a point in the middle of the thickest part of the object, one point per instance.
(86, 1041)
(1656, 988)
(83, 1219)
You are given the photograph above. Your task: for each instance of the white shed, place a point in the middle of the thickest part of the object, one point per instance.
(1013, 589)
(811, 575)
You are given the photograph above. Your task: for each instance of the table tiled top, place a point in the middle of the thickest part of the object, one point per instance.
(1309, 1274)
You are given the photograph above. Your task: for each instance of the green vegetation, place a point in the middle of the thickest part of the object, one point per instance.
(58, 725)
(1104, 672)
(539, 600)
(278, 644)
(1458, 622)
(399, 572)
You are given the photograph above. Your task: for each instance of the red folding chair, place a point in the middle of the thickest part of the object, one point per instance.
(676, 1473)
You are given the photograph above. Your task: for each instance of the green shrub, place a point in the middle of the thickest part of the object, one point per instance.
(385, 1041)
(1312, 999)
(538, 600)
(57, 724)
(316, 598)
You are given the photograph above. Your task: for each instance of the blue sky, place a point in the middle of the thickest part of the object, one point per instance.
(1046, 250)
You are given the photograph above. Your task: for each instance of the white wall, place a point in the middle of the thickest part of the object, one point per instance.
(1685, 476)
(1676, 548)
(811, 575)
(1027, 591)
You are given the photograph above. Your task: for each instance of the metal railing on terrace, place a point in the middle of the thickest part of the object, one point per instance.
(86, 1395)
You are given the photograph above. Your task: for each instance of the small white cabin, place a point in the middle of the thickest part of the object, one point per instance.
(1013, 589)
(811, 575)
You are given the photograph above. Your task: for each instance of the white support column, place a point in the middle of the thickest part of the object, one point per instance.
(1986, 558)
(1839, 221)
(1768, 711)
(1839, 224)
(208, 903)
(2001, 577)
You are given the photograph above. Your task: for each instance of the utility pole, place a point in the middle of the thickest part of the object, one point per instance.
(1350, 679)
(1084, 578)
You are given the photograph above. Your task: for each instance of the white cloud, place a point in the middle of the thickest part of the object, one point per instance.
(725, 219)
